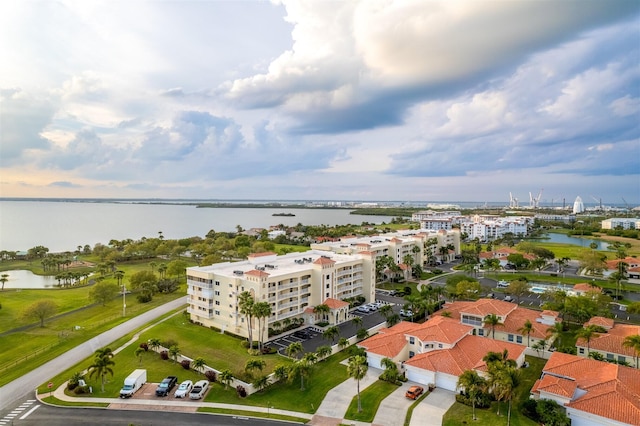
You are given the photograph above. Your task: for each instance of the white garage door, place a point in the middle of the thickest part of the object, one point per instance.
(446, 381)
(420, 376)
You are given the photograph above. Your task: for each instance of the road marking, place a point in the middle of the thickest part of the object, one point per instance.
(29, 412)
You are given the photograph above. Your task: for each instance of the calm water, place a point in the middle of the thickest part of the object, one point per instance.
(62, 226)
(583, 242)
(26, 279)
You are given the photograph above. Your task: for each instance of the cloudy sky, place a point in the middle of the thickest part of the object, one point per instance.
(359, 100)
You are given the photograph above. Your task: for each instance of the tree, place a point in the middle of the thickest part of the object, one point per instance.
(357, 369)
(254, 364)
(526, 330)
(3, 279)
(294, 349)
(468, 289)
(492, 320)
(198, 364)
(517, 289)
(226, 377)
(281, 372)
(323, 351)
(176, 268)
(174, 351)
(331, 333)
(154, 343)
(540, 345)
(390, 373)
(138, 354)
(245, 304)
(103, 292)
(102, 364)
(343, 342)
(322, 310)
(633, 342)
(301, 368)
(40, 310)
(262, 311)
(261, 382)
(139, 279)
(555, 331)
(588, 333)
(474, 385)
(362, 333)
(357, 321)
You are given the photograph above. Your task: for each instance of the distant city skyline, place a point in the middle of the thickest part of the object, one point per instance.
(306, 100)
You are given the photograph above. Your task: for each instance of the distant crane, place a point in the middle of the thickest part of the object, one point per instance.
(513, 202)
(626, 204)
(599, 201)
(534, 202)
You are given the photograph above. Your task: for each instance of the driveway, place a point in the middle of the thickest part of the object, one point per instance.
(430, 411)
(393, 409)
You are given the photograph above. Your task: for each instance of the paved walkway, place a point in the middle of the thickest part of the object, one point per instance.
(430, 411)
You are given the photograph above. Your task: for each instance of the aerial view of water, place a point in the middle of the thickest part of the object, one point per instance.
(63, 226)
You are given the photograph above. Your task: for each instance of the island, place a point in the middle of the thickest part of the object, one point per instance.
(283, 214)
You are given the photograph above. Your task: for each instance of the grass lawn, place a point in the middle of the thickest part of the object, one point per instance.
(252, 414)
(25, 350)
(370, 399)
(460, 414)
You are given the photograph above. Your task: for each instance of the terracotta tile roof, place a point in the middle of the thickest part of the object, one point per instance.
(550, 313)
(465, 355)
(324, 261)
(335, 303)
(585, 287)
(265, 253)
(611, 341)
(256, 273)
(611, 391)
(556, 385)
(601, 321)
(480, 307)
(631, 261)
(389, 342)
(516, 319)
(441, 329)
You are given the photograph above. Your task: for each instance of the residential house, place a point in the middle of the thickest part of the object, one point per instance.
(609, 344)
(512, 318)
(594, 393)
(633, 267)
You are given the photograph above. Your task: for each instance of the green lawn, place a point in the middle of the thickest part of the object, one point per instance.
(460, 414)
(370, 399)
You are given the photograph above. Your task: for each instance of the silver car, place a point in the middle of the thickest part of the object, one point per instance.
(184, 389)
(199, 389)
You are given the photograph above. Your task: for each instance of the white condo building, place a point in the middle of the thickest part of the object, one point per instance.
(621, 222)
(490, 228)
(291, 283)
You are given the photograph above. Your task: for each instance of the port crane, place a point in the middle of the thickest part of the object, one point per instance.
(513, 202)
(534, 202)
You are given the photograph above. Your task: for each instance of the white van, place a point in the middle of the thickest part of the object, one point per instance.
(133, 383)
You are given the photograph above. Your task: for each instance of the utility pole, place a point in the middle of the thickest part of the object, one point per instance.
(124, 302)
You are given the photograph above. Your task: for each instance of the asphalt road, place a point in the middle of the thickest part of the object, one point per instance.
(60, 416)
(22, 388)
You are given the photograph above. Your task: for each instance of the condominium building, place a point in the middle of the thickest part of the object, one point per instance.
(487, 229)
(621, 222)
(290, 283)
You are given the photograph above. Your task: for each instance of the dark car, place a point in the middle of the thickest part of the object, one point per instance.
(302, 334)
(166, 385)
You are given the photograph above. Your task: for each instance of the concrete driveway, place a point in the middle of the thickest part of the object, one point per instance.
(430, 411)
(393, 409)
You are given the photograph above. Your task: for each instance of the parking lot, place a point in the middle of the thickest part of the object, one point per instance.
(300, 335)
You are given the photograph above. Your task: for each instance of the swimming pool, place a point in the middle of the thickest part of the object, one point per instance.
(539, 289)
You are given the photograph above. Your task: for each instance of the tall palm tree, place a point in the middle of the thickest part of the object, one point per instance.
(343, 342)
(138, 354)
(3, 279)
(390, 373)
(386, 311)
(633, 342)
(254, 364)
(526, 330)
(102, 364)
(262, 311)
(245, 305)
(474, 385)
(555, 331)
(198, 364)
(301, 368)
(588, 333)
(492, 320)
(174, 352)
(323, 310)
(357, 321)
(281, 372)
(357, 369)
(505, 383)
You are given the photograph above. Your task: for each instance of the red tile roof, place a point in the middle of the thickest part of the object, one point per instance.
(256, 273)
(324, 261)
(586, 287)
(611, 391)
(611, 341)
(601, 321)
(335, 303)
(441, 329)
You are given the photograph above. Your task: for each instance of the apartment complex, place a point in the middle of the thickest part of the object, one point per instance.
(290, 284)
(483, 227)
(621, 222)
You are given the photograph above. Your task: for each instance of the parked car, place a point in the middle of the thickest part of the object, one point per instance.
(166, 385)
(302, 334)
(363, 308)
(199, 389)
(414, 392)
(406, 313)
(184, 389)
(397, 293)
(372, 307)
(508, 299)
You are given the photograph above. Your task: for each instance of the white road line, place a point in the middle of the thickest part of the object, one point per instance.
(29, 412)
(19, 409)
(31, 400)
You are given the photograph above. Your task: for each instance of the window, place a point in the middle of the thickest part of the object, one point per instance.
(218, 283)
(610, 356)
(217, 312)
(481, 332)
(412, 340)
(440, 345)
(217, 303)
(328, 276)
(217, 293)
(411, 354)
(621, 358)
(581, 350)
(518, 339)
(510, 337)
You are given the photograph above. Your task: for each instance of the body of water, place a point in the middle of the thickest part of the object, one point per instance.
(583, 242)
(26, 279)
(63, 226)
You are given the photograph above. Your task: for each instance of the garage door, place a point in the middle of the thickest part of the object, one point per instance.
(446, 381)
(419, 376)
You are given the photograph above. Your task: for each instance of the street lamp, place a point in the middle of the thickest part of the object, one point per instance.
(124, 302)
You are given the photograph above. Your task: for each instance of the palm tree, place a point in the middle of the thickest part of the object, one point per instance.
(540, 345)
(281, 372)
(526, 330)
(343, 342)
(357, 369)
(261, 382)
(301, 368)
(254, 364)
(362, 333)
(587, 333)
(357, 321)
(555, 331)
(322, 309)
(226, 377)
(3, 279)
(492, 320)
(174, 351)
(198, 364)
(102, 364)
(138, 354)
(294, 349)
(262, 311)
(474, 385)
(390, 373)
(504, 385)
(386, 311)
(633, 342)
(331, 333)
(245, 305)
(154, 343)
(323, 351)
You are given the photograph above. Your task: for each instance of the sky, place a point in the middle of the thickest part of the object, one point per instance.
(321, 100)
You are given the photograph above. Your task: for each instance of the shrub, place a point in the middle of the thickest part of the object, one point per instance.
(186, 364)
(144, 346)
(483, 401)
(144, 298)
(169, 343)
(269, 350)
(210, 375)
(241, 391)
(407, 290)
(529, 409)
(164, 355)
(81, 389)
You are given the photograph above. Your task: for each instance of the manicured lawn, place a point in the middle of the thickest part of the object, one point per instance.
(460, 414)
(25, 350)
(370, 399)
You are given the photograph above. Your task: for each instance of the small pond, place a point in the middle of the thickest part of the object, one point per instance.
(582, 242)
(27, 279)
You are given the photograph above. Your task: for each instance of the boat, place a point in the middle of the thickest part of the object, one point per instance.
(283, 214)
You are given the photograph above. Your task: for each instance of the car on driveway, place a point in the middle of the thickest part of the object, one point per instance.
(364, 309)
(302, 334)
(184, 389)
(414, 392)
(199, 389)
(166, 385)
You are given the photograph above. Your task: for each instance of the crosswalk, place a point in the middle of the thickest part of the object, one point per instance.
(19, 412)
